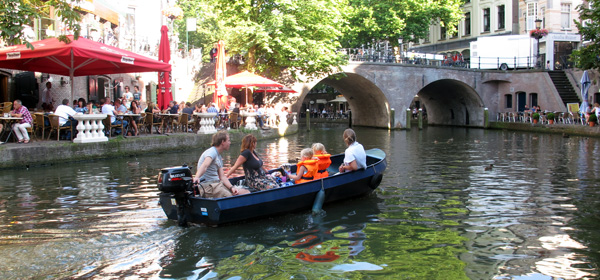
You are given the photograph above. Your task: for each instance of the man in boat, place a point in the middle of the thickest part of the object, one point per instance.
(210, 174)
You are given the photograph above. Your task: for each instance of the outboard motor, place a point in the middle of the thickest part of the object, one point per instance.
(176, 182)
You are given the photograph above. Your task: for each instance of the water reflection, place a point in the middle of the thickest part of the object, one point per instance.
(438, 214)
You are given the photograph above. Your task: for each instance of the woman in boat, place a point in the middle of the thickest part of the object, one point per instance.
(306, 169)
(257, 178)
(354, 156)
(324, 160)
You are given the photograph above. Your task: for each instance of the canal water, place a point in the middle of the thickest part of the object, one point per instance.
(438, 214)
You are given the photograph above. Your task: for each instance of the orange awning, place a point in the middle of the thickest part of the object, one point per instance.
(99, 8)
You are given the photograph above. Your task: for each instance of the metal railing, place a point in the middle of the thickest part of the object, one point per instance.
(389, 56)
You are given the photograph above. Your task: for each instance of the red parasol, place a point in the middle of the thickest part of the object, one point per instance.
(81, 57)
(164, 95)
(220, 96)
(246, 80)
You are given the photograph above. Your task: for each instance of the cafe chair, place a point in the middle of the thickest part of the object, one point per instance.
(40, 124)
(184, 122)
(55, 126)
(141, 124)
(149, 121)
(108, 126)
(234, 120)
(6, 107)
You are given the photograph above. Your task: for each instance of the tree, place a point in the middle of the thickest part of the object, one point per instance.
(271, 36)
(14, 14)
(588, 56)
(410, 19)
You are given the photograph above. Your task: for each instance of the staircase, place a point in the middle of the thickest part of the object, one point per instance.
(564, 87)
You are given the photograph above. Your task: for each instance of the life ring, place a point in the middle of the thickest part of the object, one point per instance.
(375, 181)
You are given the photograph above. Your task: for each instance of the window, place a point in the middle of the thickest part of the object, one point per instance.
(442, 32)
(533, 99)
(531, 15)
(565, 16)
(508, 99)
(501, 19)
(468, 24)
(486, 20)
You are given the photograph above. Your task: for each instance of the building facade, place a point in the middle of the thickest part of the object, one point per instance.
(510, 17)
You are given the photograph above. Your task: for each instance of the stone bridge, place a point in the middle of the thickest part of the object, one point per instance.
(451, 96)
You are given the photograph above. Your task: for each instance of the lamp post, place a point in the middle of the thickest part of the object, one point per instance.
(400, 48)
(538, 25)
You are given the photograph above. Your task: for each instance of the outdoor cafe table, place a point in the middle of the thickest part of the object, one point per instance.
(207, 123)
(129, 117)
(90, 128)
(8, 122)
(167, 121)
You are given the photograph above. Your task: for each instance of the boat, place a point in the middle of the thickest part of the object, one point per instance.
(179, 203)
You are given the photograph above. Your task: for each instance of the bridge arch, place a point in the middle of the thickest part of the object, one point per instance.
(368, 103)
(452, 102)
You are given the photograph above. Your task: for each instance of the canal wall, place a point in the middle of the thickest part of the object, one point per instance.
(54, 152)
(565, 129)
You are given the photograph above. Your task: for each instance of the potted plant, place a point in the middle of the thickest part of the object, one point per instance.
(550, 116)
(592, 119)
(535, 117)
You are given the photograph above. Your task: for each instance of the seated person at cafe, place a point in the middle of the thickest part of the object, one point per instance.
(119, 107)
(109, 109)
(81, 106)
(173, 108)
(212, 108)
(20, 128)
(306, 169)
(188, 110)
(65, 117)
(153, 108)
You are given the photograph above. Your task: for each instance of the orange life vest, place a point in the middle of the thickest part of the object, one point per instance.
(324, 162)
(311, 167)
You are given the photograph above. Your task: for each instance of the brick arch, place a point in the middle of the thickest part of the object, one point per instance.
(452, 102)
(368, 103)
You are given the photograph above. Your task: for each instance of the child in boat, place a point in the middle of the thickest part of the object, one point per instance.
(323, 160)
(306, 168)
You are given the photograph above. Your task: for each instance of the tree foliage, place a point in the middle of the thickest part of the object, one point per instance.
(14, 14)
(302, 37)
(410, 19)
(588, 56)
(273, 35)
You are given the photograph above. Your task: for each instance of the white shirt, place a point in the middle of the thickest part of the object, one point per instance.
(128, 98)
(47, 96)
(64, 112)
(109, 110)
(356, 152)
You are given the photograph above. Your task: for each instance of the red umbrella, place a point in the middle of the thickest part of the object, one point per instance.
(220, 96)
(80, 57)
(246, 79)
(164, 78)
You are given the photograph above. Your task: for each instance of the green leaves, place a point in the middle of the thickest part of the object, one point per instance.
(587, 57)
(15, 14)
(301, 38)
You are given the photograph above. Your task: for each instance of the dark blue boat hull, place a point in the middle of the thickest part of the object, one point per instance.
(281, 200)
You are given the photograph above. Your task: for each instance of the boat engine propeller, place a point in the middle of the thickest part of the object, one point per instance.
(178, 182)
